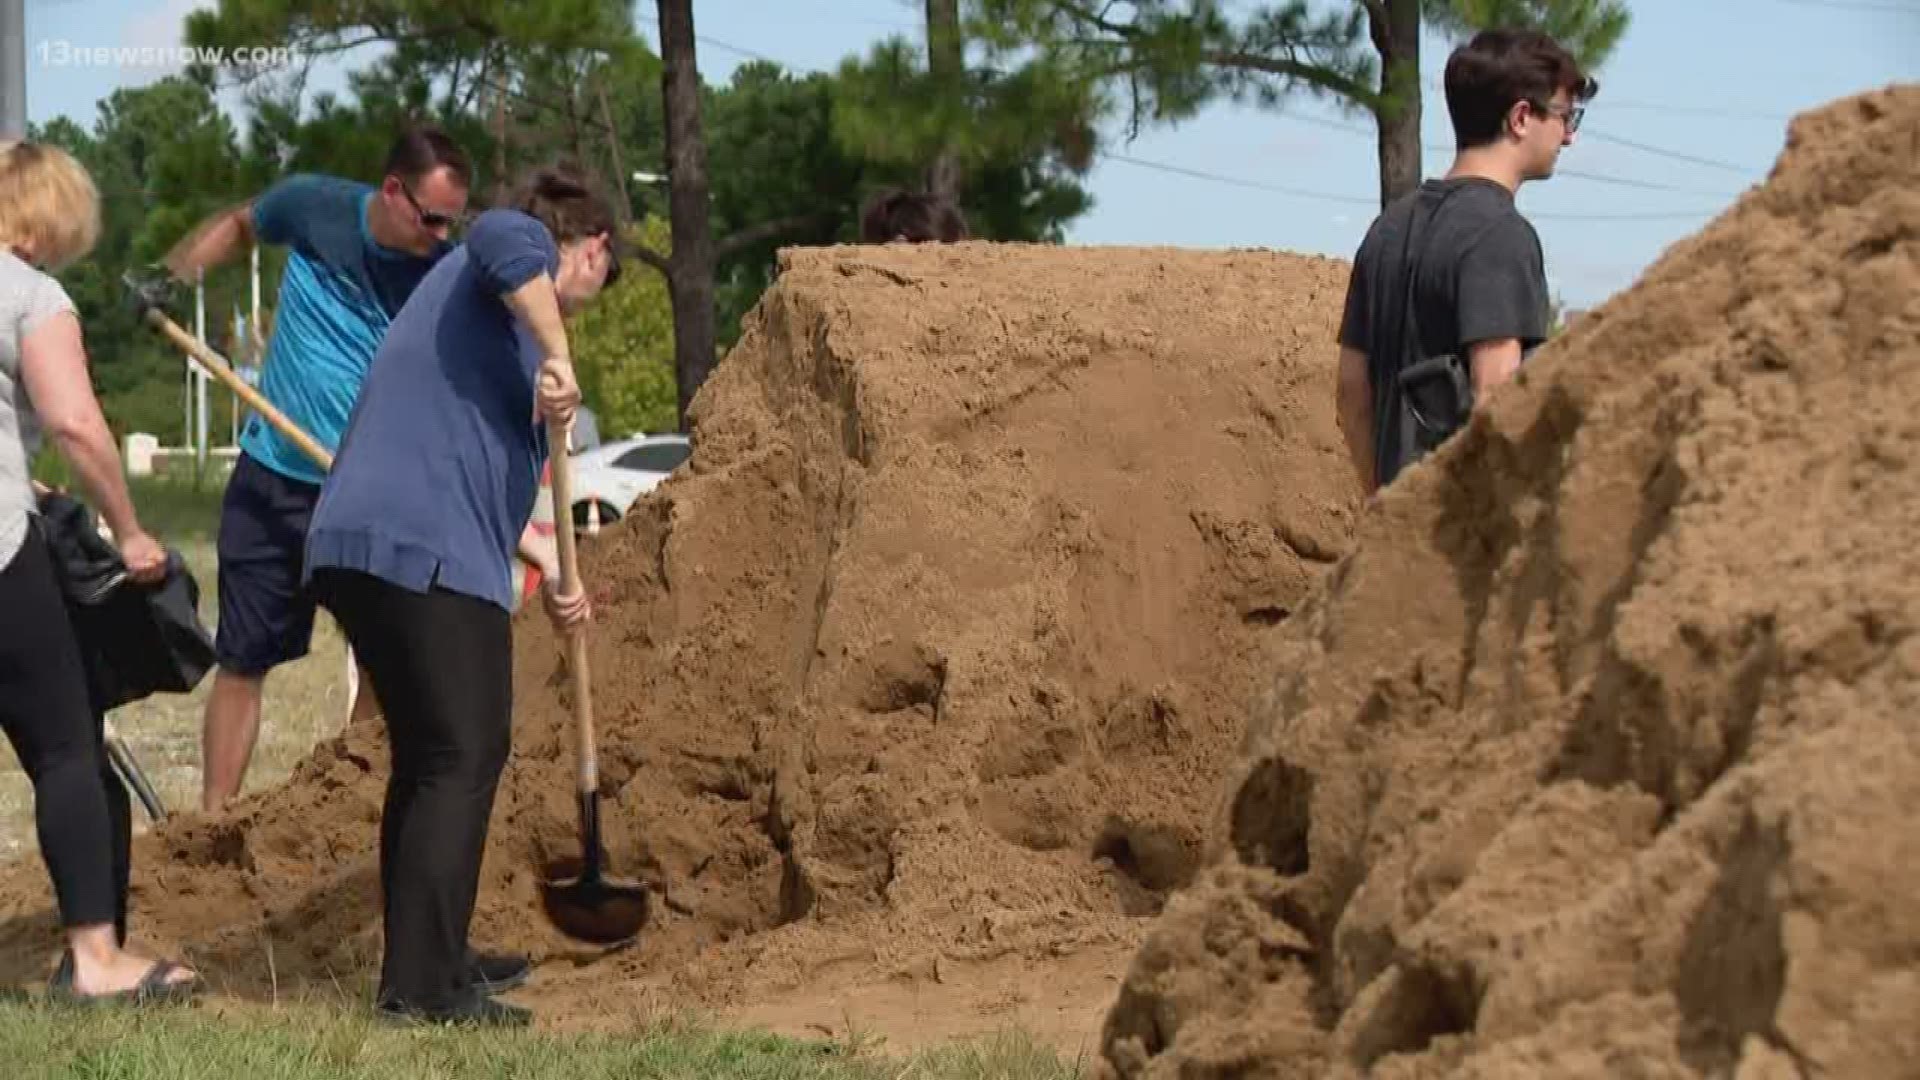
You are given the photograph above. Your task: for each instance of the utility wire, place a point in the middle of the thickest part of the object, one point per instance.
(1598, 178)
(1355, 200)
(1281, 189)
(1857, 5)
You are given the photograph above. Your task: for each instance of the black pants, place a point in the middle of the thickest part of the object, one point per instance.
(441, 665)
(79, 805)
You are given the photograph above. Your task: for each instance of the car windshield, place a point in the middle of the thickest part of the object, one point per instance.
(654, 457)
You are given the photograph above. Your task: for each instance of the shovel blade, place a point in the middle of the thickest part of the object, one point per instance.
(587, 907)
(579, 900)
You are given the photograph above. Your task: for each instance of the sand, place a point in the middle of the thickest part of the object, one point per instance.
(915, 688)
(1016, 650)
(1598, 754)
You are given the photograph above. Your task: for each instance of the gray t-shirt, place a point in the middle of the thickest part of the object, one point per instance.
(27, 296)
(1480, 276)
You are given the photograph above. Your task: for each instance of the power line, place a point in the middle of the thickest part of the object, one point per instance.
(1258, 185)
(1282, 189)
(1355, 200)
(1660, 151)
(1581, 174)
(1856, 5)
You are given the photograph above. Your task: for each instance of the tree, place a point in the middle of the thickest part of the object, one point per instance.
(1171, 57)
(623, 348)
(692, 266)
(926, 114)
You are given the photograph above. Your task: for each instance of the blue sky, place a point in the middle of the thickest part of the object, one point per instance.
(1715, 81)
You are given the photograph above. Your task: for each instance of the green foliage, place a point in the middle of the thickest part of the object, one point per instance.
(566, 79)
(1589, 29)
(1172, 57)
(162, 156)
(623, 348)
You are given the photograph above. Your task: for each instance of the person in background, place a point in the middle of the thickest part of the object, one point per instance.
(49, 219)
(911, 217)
(1449, 290)
(412, 548)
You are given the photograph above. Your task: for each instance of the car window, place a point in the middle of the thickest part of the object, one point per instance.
(657, 457)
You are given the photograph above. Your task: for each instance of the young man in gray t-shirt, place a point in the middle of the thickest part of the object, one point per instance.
(1452, 268)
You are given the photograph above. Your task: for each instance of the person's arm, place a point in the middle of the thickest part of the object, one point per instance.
(1353, 409)
(53, 367)
(1502, 304)
(514, 255)
(219, 239)
(1493, 363)
(1353, 386)
(540, 552)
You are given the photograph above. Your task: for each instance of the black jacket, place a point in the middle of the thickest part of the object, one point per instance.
(136, 640)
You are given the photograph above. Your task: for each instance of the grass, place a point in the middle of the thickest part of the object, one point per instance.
(304, 701)
(321, 1040)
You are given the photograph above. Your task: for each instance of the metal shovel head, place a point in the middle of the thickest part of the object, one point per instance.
(578, 898)
(585, 906)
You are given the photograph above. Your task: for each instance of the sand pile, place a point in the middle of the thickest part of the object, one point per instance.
(926, 672)
(1599, 756)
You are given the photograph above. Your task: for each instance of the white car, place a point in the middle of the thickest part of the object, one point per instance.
(609, 477)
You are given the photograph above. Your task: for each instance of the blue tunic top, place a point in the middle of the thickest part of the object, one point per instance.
(436, 476)
(340, 292)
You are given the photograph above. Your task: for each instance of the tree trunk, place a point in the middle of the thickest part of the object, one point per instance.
(613, 149)
(502, 183)
(690, 279)
(946, 60)
(1397, 40)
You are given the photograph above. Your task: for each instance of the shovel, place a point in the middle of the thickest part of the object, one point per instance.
(581, 902)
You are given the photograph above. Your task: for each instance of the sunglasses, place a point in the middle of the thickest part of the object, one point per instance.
(433, 219)
(613, 265)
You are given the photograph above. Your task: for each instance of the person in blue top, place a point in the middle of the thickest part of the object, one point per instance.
(412, 546)
(355, 252)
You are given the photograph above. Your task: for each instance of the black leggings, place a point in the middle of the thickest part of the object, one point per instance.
(442, 668)
(79, 803)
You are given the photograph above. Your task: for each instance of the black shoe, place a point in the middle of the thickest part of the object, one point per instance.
(475, 1010)
(494, 973)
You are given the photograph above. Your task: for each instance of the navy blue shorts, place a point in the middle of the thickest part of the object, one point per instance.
(266, 618)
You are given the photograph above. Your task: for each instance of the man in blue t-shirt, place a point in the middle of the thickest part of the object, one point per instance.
(355, 253)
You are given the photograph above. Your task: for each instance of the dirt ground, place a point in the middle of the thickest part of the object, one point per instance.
(1598, 756)
(915, 689)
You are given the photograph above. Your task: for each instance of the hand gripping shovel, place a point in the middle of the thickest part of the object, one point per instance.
(578, 898)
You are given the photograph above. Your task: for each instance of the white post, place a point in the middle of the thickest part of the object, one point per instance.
(13, 69)
(200, 433)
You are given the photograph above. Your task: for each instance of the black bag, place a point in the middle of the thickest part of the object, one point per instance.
(135, 640)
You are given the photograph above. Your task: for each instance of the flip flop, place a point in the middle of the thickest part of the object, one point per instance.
(154, 988)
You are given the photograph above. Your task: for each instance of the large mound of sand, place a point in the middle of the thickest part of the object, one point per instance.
(925, 673)
(1599, 755)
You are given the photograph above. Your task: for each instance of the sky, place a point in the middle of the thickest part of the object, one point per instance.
(1696, 98)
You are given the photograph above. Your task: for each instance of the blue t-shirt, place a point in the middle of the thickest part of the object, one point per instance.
(340, 292)
(437, 473)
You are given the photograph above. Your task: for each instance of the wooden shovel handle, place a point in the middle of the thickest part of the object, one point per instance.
(557, 454)
(221, 370)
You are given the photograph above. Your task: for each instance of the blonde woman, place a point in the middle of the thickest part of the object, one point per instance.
(49, 218)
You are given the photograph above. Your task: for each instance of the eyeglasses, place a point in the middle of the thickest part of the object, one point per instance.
(1572, 114)
(433, 219)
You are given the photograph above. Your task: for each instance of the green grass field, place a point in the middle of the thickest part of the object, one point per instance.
(315, 1041)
